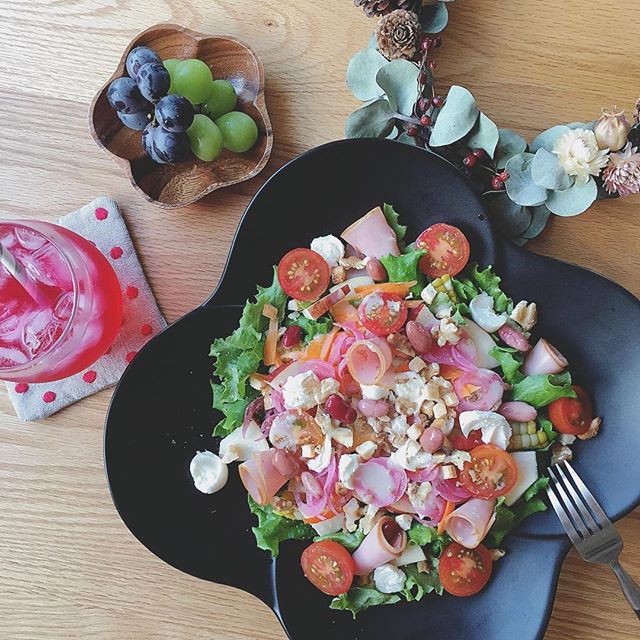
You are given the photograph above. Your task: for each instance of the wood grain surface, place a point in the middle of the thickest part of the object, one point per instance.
(68, 566)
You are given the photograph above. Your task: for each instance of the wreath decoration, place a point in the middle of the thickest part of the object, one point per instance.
(562, 172)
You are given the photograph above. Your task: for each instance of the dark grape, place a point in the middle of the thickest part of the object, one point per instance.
(174, 113)
(147, 141)
(136, 121)
(124, 96)
(153, 81)
(170, 147)
(139, 57)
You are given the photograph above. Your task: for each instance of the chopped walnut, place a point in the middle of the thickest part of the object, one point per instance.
(496, 554)
(284, 505)
(423, 566)
(560, 453)
(353, 262)
(401, 343)
(525, 314)
(338, 274)
(592, 431)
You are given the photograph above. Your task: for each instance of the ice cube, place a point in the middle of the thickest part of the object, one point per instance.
(29, 239)
(48, 266)
(64, 307)
(7, 236)
(40, 332)
(10, 357)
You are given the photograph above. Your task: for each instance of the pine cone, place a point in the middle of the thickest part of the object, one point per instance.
(397, 34)
(382, 7)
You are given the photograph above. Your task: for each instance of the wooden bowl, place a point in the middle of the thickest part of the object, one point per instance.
(173, 186)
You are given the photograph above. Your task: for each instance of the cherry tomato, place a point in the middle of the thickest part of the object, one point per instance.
(382, 313)
(447, 250)
(572, 415)
(491, 473)
(464, 572)
(328, 566)
(304, 274)
(467, 443)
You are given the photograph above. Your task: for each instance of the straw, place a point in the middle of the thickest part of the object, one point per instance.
(8, 260)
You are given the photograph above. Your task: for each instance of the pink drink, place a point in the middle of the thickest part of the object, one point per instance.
(78, 311)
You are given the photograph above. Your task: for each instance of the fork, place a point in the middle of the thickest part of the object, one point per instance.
(588, 526)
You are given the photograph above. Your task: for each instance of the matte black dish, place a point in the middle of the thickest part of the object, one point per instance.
(160, 414)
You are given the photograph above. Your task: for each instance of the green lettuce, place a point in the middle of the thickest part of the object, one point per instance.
(404, 268)
(510, 360)
(547, 427)
(541, 390)
(311, 327)
(424, 536)
(508, 518)
(273, 529)
(357, 599)
(460, 312)
(487, 281)
(464, 288)
(348, 540)
(392, 220)
(418, 584)
(240, 355)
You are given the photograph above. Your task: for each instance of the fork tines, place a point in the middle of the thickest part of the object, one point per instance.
(577, 509)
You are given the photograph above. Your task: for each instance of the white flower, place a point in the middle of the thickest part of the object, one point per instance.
(579, 155)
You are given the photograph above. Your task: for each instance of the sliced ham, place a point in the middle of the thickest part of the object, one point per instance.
(471, 521)
(368, 360)
(260, 476)
(372, 235)
(323, 305)
(544, 359)
(384, 543)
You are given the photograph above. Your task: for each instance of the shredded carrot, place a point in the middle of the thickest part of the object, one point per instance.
(270, 352)
(442, 525)
(314, 348)
(399, 288)
(344, 311)
(328, 343)
(402, 367)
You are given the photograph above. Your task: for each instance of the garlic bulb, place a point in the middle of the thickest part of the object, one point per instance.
(612, 130)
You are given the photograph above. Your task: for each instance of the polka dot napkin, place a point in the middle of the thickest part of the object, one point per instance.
(101, 222)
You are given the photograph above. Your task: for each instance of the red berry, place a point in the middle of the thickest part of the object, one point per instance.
(496, 183)
(423, 78)
(425, 121)
(426, 44)
(504, 176)
(478, 153)
(292, 336)
(412, 131)
(437, 42)
(424, 104)
(438, 101)
(469, 161)
(432, 64)
(338, 409)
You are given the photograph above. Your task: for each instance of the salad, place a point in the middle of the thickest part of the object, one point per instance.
(389, 404)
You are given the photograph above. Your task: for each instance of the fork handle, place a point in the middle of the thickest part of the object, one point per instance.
(629, 587)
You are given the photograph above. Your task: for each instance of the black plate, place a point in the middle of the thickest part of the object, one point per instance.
(160, 414)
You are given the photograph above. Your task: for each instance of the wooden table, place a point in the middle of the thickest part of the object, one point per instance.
(68, 566)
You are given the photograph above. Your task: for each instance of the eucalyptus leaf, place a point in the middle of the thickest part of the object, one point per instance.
(435, 18)
(485, 135)
(574, 200)
(511, 218)
(361, 74)
(539, 218)
(405, 138)
(582, 125)
(520, 186)
(547, 138)
(399, 80)
(374, 120)
(547, 171)
(456, 118)
(509, 144)
(393, 135)
(373, 41)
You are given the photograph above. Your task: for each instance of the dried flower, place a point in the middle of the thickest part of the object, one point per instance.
(622, 176)
(636, 113)
(381, 7)
(397, 34)
(612, 130)
(579, 154)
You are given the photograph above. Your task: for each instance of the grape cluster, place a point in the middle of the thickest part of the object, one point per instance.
(180, 109)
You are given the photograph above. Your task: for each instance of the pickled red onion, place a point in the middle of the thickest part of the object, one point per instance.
(380, 482)
(253, 407)
(315, 503)
(518, 411)
(514, 338)
(424, 475)
(277, 401)
(450, 490)
(321, 368)
(480, 390)
(369, 359)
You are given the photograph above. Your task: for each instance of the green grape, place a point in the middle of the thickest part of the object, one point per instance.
(170, 65)
(205, 137)
(239, 131)
(192, 79)
(221, 100)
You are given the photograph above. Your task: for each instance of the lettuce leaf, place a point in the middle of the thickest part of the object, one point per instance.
(510, 360)
(310, 327)
(508, 518)
(541, 390)
(547, 427)
(273, 529)
(464, 288)
(392, 220)
(348, 540)
(428, 537)
(419, 584)
(404, 268)
(357, 599)
(239, 355)
(489, 282)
